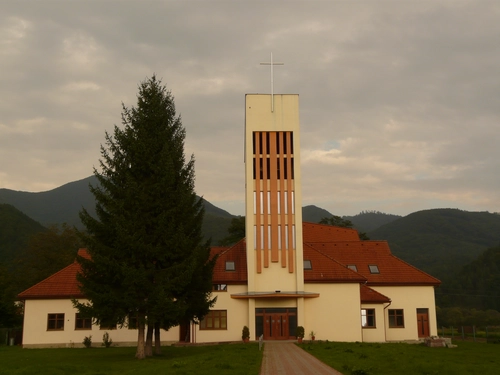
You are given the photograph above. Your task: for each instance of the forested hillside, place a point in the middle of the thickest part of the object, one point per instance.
(477, 285)
(441, 241)
(16, 229)
(367, 221)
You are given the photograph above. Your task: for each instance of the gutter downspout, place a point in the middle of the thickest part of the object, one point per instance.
(385, 321)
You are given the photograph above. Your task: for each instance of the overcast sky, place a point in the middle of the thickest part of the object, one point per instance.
(399, 100)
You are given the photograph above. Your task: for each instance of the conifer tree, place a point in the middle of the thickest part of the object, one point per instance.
(147, 256)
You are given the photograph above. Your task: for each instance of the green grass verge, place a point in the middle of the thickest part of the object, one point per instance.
(215, 359)
(408, 359)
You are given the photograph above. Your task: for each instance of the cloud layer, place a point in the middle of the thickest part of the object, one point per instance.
(399, 100)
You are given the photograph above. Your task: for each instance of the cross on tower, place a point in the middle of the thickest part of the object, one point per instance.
(272, 78)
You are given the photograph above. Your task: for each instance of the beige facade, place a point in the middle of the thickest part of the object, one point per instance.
(37, 334)
(409, 299)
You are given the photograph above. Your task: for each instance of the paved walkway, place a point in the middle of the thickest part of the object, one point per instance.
(287, 358)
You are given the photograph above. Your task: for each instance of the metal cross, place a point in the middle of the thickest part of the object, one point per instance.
(272, 78)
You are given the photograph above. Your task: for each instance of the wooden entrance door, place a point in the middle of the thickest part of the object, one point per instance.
(276, 326)
(184, 332)
(423, 322)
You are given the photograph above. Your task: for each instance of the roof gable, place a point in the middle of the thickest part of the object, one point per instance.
(62, 284)
(236, 254)
(362, 254)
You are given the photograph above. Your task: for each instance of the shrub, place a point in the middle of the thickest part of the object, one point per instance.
(87, 341)
(106, 340)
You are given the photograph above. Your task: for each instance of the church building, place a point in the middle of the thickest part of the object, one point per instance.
(285, 273)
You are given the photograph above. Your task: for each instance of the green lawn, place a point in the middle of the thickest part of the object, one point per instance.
(217, 359)
(348, 358)
(407, 359)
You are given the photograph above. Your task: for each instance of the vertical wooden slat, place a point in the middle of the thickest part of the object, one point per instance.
(291, 216)
(264, 189)
(274, 189)
(257, 157)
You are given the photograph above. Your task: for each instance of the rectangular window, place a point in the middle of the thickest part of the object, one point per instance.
(254, 202)
(396, 318)
(261, 236)
(293, 237)
(269, 242)
(55, 322)
(352, 267)
(132, 322)
(219, 287)
(293, 202)
(279, 237)
(368, 318)
(279, 202)
(307, 265)
(373, 268)
(268, 202)
(286, 236)
(255, 237)
(82, 323)
(261, 194)
(286, 201)
(215, 319)
(230, 265)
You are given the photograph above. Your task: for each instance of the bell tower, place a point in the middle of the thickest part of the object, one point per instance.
(273, 194)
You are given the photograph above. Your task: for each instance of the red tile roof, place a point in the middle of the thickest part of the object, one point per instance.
(60, 285)
(330, 249)
(368, 295)
(362, 254)
(327, 233)
(326, 269)
(237, 254)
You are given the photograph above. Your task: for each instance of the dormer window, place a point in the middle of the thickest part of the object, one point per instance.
(307, 265)
(373, 268)
(352, 267)
(230, 265)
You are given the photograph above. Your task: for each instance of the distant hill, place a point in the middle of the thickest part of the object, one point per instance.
(15, 230)
(367, 221)
(314, 214)
(60, 205)
(440, 241)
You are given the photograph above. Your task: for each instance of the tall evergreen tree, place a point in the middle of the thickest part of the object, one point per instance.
(148, 259)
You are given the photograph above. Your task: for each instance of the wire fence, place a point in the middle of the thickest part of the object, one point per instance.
(490, 334)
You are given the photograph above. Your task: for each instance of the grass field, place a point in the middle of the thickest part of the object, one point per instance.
(407, 359)
(217, 359)
(245, 359)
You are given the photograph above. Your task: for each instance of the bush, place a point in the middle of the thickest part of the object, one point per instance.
(87, 341)
(106, 341)
(300, 332)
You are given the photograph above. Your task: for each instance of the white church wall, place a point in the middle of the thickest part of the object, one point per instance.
(335, 314)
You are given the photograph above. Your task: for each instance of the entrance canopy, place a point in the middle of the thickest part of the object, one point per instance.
(275, 294)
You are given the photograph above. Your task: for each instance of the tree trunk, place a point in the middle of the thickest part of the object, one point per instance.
(140, 354)
(157, 339)
(149, 341)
